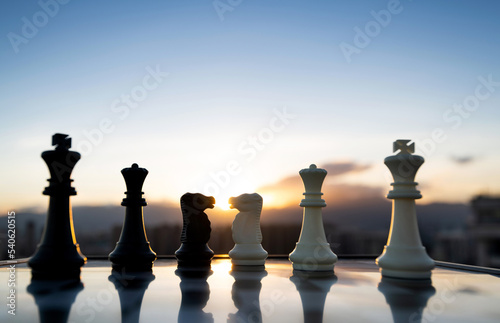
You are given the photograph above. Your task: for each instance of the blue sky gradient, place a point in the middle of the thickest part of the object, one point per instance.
(226, 80)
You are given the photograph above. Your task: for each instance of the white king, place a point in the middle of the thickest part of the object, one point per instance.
(404, 256)
(312, 252)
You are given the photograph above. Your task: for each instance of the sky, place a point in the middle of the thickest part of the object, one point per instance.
(231, 97)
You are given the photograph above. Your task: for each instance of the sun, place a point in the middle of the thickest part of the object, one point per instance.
(267, 198)
(222, 199)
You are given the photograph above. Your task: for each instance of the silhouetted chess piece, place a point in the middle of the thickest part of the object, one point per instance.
(245, 294)
(313, 252)
(407, 298)
(54, 298)
(247, 236)
(131, 289)
(313, 290)
(194, 251)
(195, 295)
(404, 256)
(58, 255)
(133, 252)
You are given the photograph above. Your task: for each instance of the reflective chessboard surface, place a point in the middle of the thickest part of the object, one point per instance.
(355, 294)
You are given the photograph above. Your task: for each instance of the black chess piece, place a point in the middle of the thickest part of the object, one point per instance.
(133, 252)
(54, 298)
(194, 251)
(406, 297)
(195, 295)
(245, 294)
(313, 289)
(58, 255)
(131, 289)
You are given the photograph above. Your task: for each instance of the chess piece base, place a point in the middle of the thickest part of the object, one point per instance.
(405, 262)
(248, 254)
(313, 257)
(46, 264)
(194, 255)
(404, 256)
(312, 252)
(132, 257)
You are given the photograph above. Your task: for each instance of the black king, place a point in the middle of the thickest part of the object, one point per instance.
(58, 255)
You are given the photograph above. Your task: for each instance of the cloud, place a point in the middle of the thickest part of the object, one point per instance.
(288, 191)
(345, 194)
(340, 168)
(462, 160)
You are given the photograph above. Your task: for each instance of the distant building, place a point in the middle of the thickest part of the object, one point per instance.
(479, 242)
(485, 230)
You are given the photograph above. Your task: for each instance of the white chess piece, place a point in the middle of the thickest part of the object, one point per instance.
(404, 255)
(246, 231)
(312, 252)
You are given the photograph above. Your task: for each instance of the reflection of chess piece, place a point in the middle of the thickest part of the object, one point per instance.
(195, 295)
(404, 256)
(407, 298)
(194, 251)
(58, 256)
(131, 288)
(245, 294)
(313, 290)
(312, 252)
(54, 298)
(133, 252)
(246, 231)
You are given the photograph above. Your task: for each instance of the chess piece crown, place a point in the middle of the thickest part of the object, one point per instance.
(313, 178)
(60, 162)
(134, 180)
(404, 166)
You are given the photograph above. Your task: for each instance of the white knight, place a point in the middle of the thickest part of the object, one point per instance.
(247, 236)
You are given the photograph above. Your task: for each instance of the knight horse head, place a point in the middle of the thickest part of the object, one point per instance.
(196, 202)
(246, 202)
(196, 226)
(246, 224)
